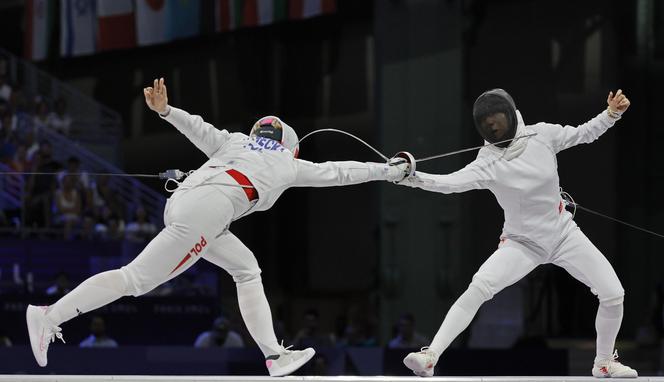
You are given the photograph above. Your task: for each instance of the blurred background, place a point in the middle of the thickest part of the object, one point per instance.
(363, 273)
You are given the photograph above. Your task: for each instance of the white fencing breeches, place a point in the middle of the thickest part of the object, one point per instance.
(512, 261)
(196, 222)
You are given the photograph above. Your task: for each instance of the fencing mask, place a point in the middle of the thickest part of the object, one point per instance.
(495, 118)
(274, 128)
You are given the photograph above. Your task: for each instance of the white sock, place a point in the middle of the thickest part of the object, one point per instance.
(257, 315)
(95, 292)
(607, 324)
(457, 319)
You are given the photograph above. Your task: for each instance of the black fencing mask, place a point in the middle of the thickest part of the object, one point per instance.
(495, 118)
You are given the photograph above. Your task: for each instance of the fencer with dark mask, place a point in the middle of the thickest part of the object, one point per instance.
(523, 176)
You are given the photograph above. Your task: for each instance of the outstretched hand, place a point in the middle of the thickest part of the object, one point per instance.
(156, 96)
(618, 103)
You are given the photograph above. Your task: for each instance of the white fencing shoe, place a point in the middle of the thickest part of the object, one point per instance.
(610, 368)
(422, 362)
(41, 332)
(287, 361)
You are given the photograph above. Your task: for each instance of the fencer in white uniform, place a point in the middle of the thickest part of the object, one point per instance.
(523, 176)
(197, 218)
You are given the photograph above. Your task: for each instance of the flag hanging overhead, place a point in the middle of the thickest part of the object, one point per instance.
(116, 25)
(78, 27)
(39, 21)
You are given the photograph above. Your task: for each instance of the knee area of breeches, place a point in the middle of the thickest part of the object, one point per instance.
(247, 278)
(483, 286)
(612, 301)
(135, 285)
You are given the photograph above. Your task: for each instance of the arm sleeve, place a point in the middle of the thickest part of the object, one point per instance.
(475, 176)
(564, 137)
(342, 173)
(203, 135)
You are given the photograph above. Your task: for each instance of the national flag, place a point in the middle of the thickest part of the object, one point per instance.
(116, 25)
(151, 16)
(39, 21)
(184, 19)
(302, 9)
(78, 25)
(234, 14)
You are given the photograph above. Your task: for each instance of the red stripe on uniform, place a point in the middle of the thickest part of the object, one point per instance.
(181, 262)
(242, 180)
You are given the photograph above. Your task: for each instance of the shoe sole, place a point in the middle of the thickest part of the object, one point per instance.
(415, 368)
(624, 376)
(291, 368)
(31, 315)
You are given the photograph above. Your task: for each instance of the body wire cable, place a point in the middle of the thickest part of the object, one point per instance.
(177, 174)
(569, 201)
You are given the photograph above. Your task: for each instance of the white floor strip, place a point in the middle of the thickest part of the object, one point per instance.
(149, 378)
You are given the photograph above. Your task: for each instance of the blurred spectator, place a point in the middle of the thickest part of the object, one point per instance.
(67, 206)
(40, 118)
(98, 337)
(356, 335)
(220, 335)
(61, 287)
(109, 226)
(9, 122)
(357, 328)
(5, 341)
(32, 144)
(8, 139)
(59, 120)
(5, 89)
(81, 181)
(18, 102)
(406, 336)
(104, 199)
(88, 226)
(40, 189)
(140, 230)
(20, 162)
(310, 335)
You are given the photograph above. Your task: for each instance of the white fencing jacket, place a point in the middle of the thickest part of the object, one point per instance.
(270, 167)
(524, 179)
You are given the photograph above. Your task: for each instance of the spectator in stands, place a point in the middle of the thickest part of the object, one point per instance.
(61, 287)
(68, 206)
(141, 229)
(40, 118)
(406, 336)
(18, 102)
(81, 180)
(32, 144)
(105, 200)
(8, 139)
(220, 335)
(20, 162)
(310, 335)
(98, 337)
(59, 120)
(356, 334)
(5, 341)
(87, 226)
(5, 89)
(40, 189)
(109, 226)
(9, 120)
